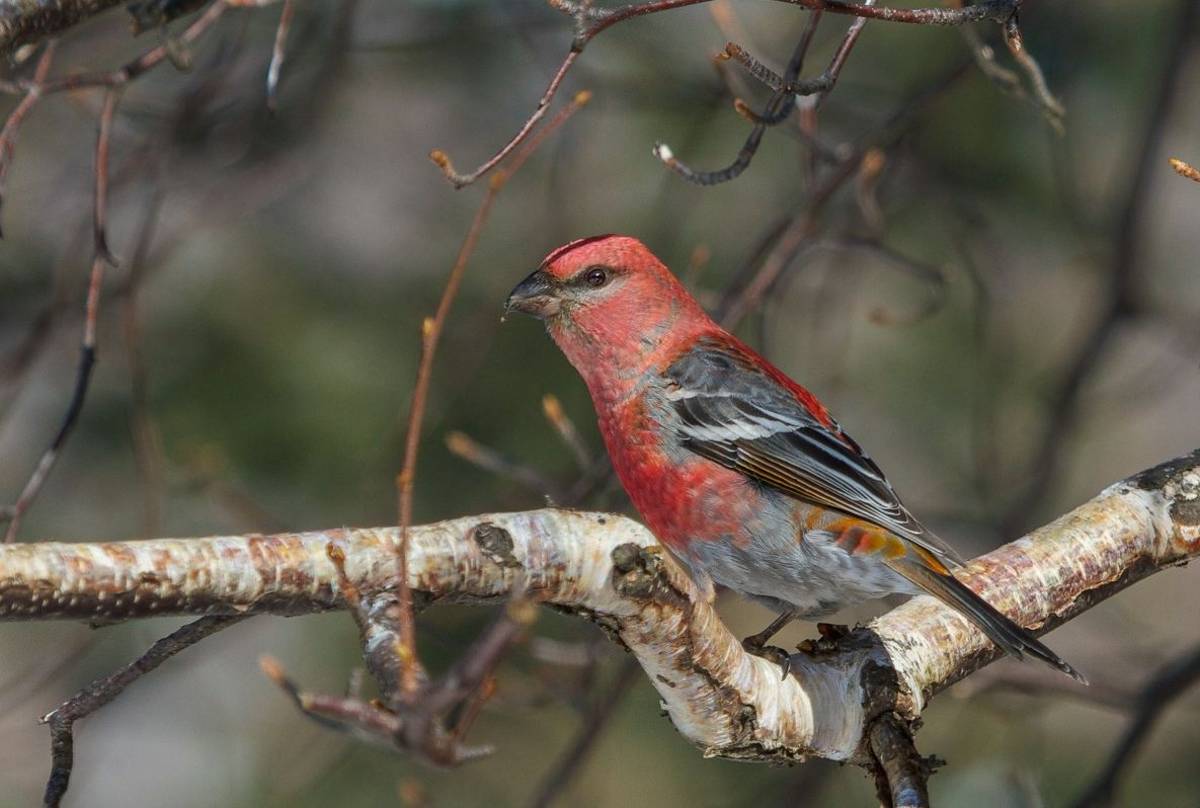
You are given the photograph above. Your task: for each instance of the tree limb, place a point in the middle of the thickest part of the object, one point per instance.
(609, 570)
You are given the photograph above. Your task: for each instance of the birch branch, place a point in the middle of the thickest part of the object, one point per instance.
(609, 570)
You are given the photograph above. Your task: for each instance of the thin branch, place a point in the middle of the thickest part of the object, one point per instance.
(472, 451)
(442, 160)
(998, 11)
(565, 428)
(8, 135)
(1051, 107)
(142, 64)
(849, 40)
(789, 237)
(87, 358)
(104, 690)
(778, 108)
(278, 52)
(431, 330)
(424, 726)
(590, 22)
(100, 203)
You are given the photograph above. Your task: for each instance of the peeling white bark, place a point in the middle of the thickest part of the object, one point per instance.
(610, 570)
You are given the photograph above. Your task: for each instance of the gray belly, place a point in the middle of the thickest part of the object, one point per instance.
(813, 577)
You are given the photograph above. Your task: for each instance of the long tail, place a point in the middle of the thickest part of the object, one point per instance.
(999, 629)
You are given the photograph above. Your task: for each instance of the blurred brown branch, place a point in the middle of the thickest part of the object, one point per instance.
(611, 571)
(1164, 687)
(1119, 299)
(113, 84)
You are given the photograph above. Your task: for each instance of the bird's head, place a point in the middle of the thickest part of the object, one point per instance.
(609, 302)
(603, 278)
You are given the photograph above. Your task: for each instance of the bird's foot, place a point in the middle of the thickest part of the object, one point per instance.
(773, 653)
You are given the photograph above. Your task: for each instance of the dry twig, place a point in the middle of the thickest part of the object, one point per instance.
(590, 22)
(62, 719)
(431, 330)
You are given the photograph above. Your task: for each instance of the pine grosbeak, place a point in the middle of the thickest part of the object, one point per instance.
(740, 471)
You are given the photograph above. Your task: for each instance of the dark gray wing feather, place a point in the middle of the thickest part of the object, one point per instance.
(734, 414)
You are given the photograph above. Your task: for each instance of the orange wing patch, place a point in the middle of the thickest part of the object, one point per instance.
(858, 537)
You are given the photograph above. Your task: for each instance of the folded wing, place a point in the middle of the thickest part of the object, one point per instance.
(735, 414)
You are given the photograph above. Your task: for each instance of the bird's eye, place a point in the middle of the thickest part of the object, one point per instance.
(596, 277)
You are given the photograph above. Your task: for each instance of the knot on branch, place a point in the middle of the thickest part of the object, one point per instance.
(496, 544)
(640, 573)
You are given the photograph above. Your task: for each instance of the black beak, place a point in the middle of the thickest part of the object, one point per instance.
(534, 296)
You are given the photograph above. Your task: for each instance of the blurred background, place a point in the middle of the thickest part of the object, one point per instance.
(1005, 316)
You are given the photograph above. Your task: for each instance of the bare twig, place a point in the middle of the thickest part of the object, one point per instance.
(431, 330)
(787, 239)
(279, 51)
(104, 690)
(87, 358)
(142, 64)
(1051, 107)
(424, 725)
(985, 60)
(998, 11)
(778, 108)
(490, 460)
(565, 428)
(8, 135)
(591, 22)
(100, 204)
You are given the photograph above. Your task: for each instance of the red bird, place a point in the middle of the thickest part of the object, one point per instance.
(739, 470)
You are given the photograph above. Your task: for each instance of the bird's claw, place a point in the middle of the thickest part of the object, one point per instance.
(772, 653)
